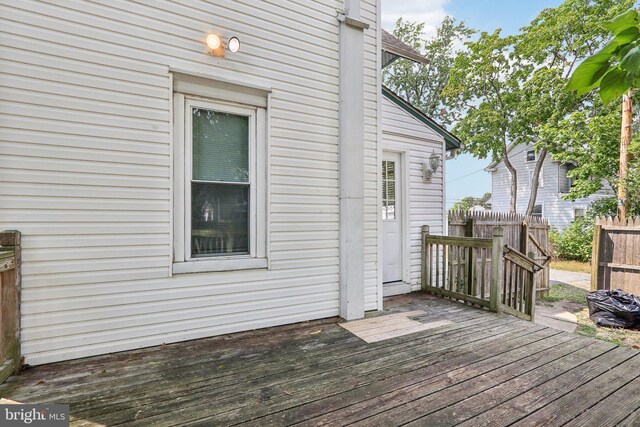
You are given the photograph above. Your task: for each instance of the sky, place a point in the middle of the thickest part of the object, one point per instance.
(466, 175)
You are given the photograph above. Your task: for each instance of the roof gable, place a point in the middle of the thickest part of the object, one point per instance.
(451, 140)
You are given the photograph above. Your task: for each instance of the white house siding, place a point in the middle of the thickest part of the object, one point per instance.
(558, 211)
(401, 132)
(86, 164)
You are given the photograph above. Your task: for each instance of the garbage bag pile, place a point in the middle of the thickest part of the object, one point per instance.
(614, 309)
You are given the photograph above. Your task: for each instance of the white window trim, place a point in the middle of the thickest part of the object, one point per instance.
(540, 178)
(584, 211)
(257, 258)
(526, 155)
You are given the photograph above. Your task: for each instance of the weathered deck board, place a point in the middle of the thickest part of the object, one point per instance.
(482, 369)
(613, 409)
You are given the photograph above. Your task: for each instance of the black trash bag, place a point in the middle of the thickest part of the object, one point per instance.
(614, 309)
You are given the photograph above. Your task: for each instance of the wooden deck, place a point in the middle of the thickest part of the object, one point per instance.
(480, 369)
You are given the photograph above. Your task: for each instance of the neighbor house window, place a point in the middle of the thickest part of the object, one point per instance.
(578, 213)
(219, 183)
(540, 179)
(530, 155)
(537, 211)
(565, 182)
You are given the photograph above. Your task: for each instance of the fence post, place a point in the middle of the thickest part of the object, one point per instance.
(425, 258)
(497, 267)
(595, 255)
(532, 295)
(468, 232)
(10, 279)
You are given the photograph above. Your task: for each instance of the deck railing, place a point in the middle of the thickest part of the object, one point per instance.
(518, 290)
(462, 268)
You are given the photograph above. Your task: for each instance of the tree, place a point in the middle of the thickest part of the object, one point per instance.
(513, 87)
(615, 68)
(484, 82)
(422, 84)
(555, 41)
(469, 202)
(614, 71)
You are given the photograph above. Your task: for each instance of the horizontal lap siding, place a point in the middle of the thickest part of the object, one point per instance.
(558, 211)
(403, 132)
(85, 168)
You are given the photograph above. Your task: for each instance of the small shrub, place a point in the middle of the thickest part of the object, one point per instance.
(574, 243)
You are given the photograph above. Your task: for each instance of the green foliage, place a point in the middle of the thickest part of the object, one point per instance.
(483, 82)
(575, 242)
(422, 84)
(469, 202)
(604, 207)
(589, 139)
(514, 90)
(616, 67)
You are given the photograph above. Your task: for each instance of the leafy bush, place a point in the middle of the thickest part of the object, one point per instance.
(575, 242)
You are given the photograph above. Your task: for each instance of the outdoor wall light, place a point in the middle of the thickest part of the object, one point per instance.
(234, 44)
(213, 41)
(430, 167)
(434, 161)
(217, 46)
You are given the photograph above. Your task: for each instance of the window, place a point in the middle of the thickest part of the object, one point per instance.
(219, 184)
(530, 155)
(540, 179)
(388, 189)
(565, 182)
(537, 211)
(578, 213)
(220, 180)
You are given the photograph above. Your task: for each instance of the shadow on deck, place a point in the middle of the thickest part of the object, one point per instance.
(480, 369)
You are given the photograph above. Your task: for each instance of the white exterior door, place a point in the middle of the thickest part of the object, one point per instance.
(391, 218)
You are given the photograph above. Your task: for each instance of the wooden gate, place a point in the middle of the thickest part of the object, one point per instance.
(528, 235)
(615, 261)
(9, 303)
(480, 271)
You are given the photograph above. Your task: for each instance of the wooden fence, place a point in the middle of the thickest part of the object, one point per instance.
(615, 261)
(529, 235)
(463, 268)
(9, 303)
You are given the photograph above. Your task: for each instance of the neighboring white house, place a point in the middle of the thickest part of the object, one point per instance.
(554, 184)
(167, 190)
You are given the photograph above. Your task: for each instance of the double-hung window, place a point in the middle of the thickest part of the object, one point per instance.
(219, 174)
(220, 185)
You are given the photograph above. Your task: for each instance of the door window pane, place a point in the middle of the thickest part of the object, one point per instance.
(219, 219)
(220, 146)
(388, 190)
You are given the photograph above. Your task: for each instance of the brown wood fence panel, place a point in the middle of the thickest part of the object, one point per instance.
(529, 235)
(9, 303)
(615, 262)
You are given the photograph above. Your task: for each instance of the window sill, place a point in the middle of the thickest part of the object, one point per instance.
(215, 265)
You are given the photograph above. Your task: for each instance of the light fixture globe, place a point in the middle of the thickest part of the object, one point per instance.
(233, 44)
(213, 41)
(434, 161)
